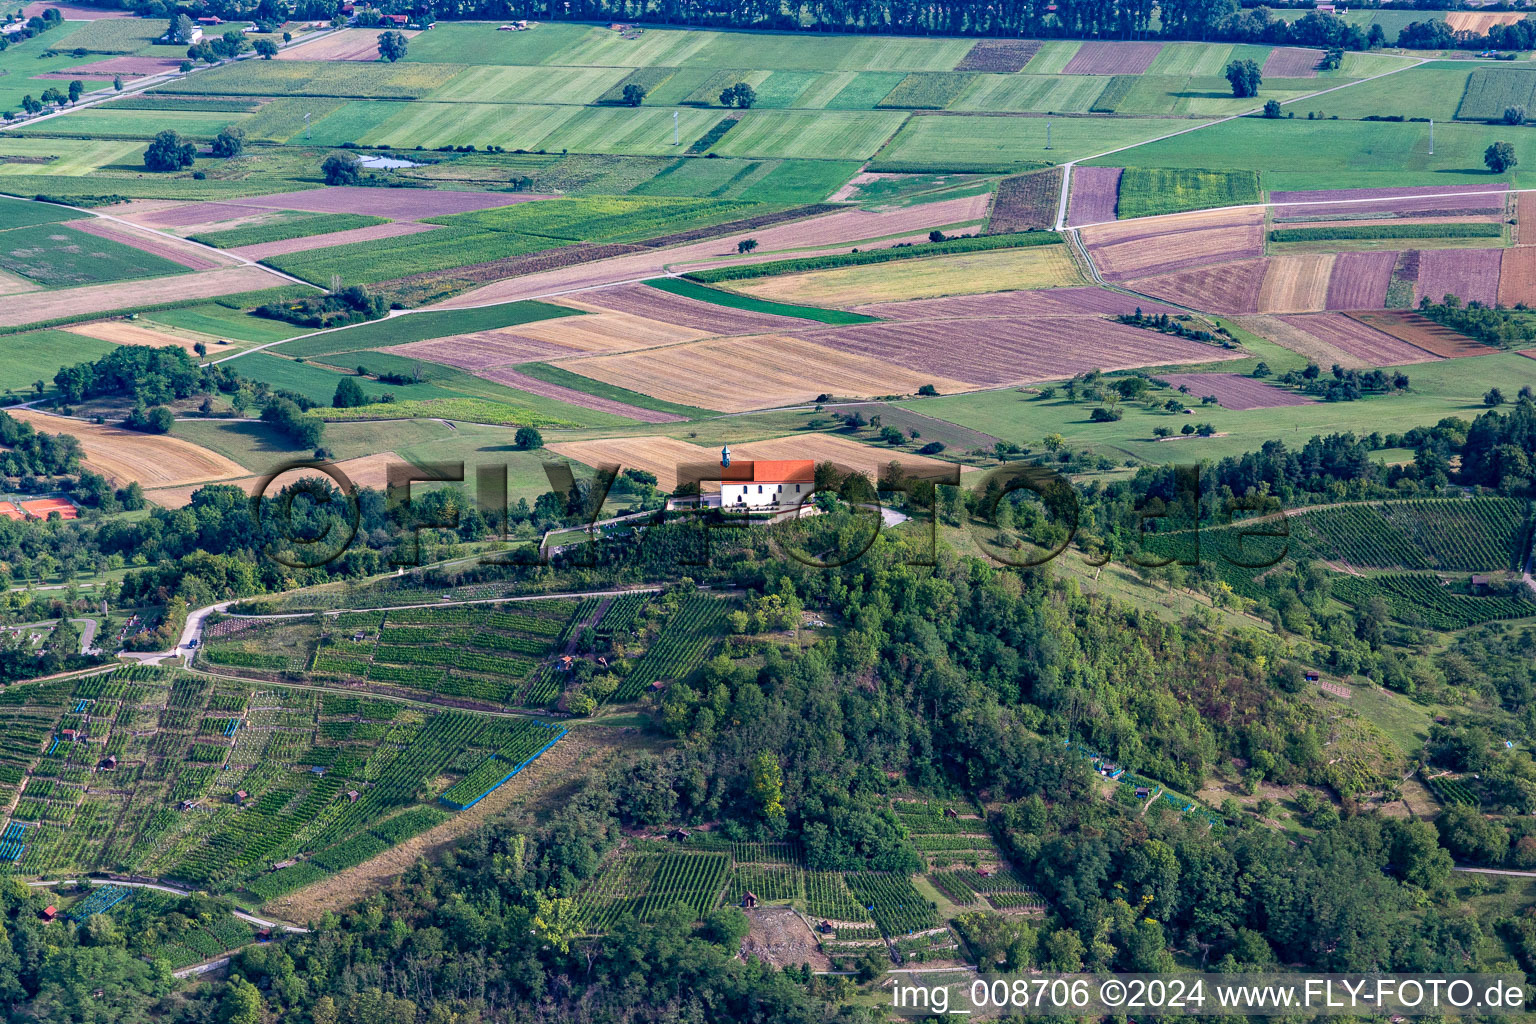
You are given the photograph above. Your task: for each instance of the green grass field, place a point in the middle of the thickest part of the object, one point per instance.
(107, 122)
(1451, 387)
(57, 256)
(827, 135)
(938, 142)
(221, 321)
(400, 330)
(16, 213)
(1301, 154)
(602, 218)
(318, 384)
(37, 355)
(1146, 191)
(1428, 91)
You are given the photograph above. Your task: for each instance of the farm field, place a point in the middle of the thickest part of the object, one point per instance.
(1002, 270)
(1449, 387)
(128, 455)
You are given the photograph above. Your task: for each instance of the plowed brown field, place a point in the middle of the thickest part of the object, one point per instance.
(1517, 274)
(757, 372)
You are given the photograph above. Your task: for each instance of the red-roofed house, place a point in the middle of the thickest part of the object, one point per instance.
(397, 20)
(764, 482)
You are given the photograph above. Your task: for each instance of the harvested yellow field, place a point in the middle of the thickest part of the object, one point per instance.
(1296, 284)
(10, 284)
(99, 298)
(1479, 22)
(652, 453)
(757, 372)
(1043, 266)
(121, 332)
(123, 456)
(364, 471)
(604, 330)
(662, 455)
(844, 451)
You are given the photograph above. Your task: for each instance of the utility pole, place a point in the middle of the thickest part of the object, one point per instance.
(1047, 134)
(674, 127)
(306, 126)
(1431, 136)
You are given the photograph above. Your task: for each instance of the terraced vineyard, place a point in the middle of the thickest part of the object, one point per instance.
(489, 654)
(1458, 534)
(641, 885)
(1451, 791)
(1424, 600)
(215, 781)
(896, 906)
(683, 644)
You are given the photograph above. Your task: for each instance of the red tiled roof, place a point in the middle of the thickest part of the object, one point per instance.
(770, 471)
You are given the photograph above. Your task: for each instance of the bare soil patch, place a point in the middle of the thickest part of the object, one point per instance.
(780, 937)
(348, 44)
(121, 332)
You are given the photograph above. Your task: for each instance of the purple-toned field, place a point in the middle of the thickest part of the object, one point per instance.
(1095, 194)
(1370, 202)
(1467, 274)
(1007, 350)
(999, 55)
(486, 348)
(1366, 344)
(1292, 62)
(1162, 245)
(1100, 58)
(1225, 288)
(1234, 391)
(1054, 302)
(656, 304)
(1360, 280)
